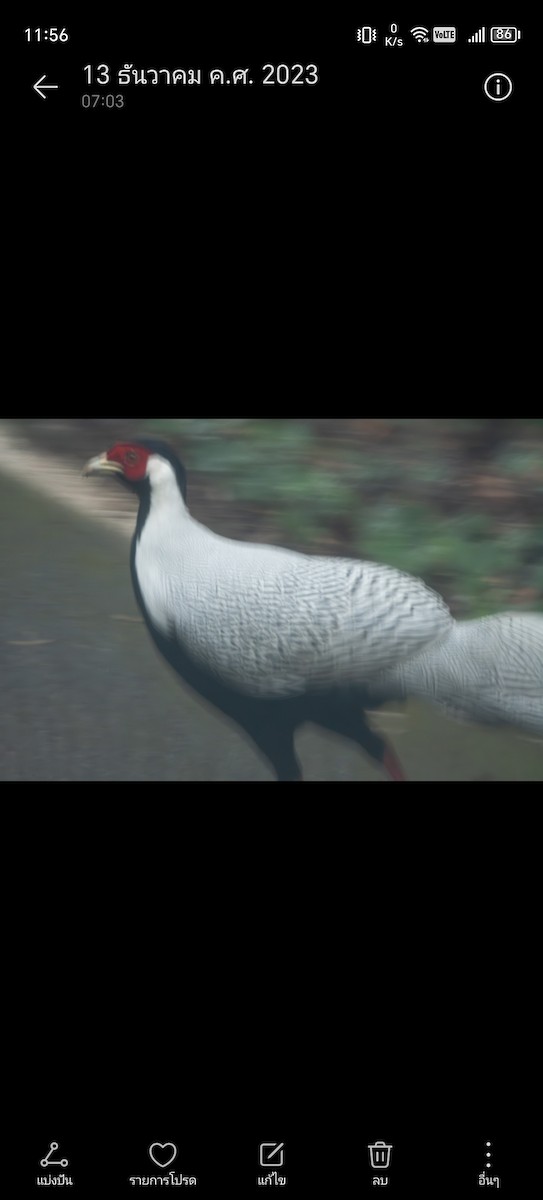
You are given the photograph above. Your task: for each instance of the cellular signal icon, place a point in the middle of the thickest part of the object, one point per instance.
(480, 36)
(420, 34)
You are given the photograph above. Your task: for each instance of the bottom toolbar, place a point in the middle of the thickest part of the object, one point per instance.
(298, 1166)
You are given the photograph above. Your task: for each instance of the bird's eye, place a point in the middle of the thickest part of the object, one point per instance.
(131, 457)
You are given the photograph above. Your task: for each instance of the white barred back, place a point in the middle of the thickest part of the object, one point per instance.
(271, 622)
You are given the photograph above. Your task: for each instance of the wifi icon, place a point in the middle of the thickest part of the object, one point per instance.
(420, 34)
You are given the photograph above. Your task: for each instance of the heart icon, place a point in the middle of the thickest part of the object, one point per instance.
(163, 1153)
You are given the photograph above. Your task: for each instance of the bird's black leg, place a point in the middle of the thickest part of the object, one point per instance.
(378, 748)
(344, 719)
(277, 744)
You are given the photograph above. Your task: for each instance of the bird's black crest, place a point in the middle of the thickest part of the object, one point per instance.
(156, 446)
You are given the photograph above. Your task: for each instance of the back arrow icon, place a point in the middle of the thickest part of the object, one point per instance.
(39, 84)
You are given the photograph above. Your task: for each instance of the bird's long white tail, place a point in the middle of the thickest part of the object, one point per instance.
(488, 670)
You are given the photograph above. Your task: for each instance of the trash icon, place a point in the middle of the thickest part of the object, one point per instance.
(380, 1156)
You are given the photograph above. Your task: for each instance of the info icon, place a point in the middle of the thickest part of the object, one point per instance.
(498, 86)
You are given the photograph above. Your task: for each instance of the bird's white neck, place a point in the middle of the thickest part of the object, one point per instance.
(166, 498)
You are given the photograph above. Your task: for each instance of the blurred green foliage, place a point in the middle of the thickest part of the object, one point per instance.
(458, 502)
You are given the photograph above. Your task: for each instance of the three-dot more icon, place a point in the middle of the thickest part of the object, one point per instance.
(272, 1154)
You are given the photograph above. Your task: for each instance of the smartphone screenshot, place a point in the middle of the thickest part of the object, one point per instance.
(233, 993)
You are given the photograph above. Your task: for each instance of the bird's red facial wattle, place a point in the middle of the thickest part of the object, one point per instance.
(126, 459)
(131, 459)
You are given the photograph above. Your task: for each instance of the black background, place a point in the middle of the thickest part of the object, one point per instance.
(240, 984)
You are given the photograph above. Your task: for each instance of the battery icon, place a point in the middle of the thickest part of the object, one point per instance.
(504, 35)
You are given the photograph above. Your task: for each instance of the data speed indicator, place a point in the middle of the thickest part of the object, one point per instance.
(504, 35)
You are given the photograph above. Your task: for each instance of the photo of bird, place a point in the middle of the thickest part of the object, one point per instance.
(274, 638)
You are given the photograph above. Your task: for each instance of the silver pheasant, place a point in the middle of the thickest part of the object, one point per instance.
(275, 638)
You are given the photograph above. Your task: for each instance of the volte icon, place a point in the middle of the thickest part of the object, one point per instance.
(444, 35)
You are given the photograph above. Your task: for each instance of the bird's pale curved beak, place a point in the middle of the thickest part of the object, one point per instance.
(102, 465)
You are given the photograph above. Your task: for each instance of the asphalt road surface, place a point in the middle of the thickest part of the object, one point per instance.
(85, 696)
